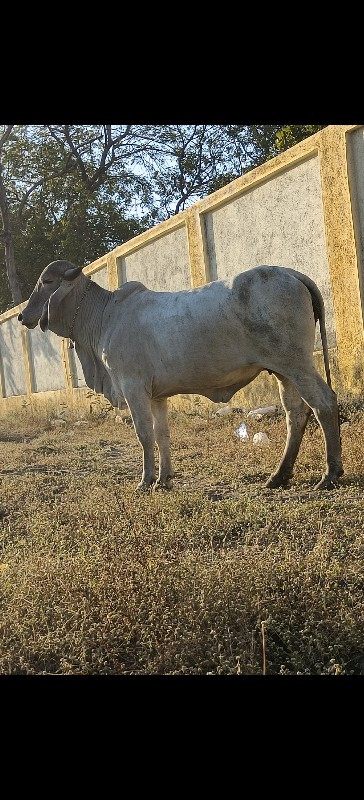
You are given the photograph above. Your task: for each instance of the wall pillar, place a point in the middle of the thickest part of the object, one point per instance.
(112, 271)
(28, 370)
(197, 248)
(68, 368)
(342, 256)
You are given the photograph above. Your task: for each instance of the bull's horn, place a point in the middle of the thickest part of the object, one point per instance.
(72, 273)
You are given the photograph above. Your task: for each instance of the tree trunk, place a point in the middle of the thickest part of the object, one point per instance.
(7, 236)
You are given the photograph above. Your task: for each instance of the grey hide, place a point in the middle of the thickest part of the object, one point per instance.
(141, 346)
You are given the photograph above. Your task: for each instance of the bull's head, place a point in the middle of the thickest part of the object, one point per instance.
(55, 282)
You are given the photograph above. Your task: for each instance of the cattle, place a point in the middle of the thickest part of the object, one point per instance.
(139, 347)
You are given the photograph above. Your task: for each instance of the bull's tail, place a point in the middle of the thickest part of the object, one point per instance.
(324, 344)
(319, 314)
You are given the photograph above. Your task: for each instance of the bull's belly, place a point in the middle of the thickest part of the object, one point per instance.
(219, 389)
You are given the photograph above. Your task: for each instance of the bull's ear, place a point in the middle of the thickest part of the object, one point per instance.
(43, 322)
(56, 299)
(72, 273)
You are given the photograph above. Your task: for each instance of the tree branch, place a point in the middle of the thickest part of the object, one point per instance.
(68, 167)
(77, 156)
(6, 135)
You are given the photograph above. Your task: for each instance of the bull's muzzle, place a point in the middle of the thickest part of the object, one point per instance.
(29, 325)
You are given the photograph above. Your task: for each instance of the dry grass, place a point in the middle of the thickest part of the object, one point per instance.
(96, 579)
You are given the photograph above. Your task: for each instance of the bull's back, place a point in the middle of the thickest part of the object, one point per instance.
(264, 291)
(219, 326)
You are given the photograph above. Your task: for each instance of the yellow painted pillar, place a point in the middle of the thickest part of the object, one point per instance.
(2, 378)
(68, 367)
(342, 256)
(112, 271)
(29, 381)
(197, 248)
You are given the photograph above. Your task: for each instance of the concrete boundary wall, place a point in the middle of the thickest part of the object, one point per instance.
(303, 209)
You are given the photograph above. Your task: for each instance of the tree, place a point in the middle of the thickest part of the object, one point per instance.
(84, 230)
(46, 172)
(7, 233)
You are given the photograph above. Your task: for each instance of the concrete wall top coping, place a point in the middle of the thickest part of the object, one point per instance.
(12, 312)
(95, 266)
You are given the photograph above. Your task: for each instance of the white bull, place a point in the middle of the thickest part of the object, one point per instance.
(142, 346)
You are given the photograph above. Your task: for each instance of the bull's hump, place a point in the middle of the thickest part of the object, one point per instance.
(127, 289)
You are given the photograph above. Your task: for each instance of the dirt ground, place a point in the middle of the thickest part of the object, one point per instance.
(216, 576)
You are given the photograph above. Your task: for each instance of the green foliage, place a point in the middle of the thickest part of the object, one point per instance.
(85, 231)
(62, 206)
(289, 135)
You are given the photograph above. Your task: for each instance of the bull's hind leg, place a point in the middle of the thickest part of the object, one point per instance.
(162, 437)
(297, 414)
(318, 395)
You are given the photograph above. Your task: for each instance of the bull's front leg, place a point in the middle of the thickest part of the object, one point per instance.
(140, 409)
(162, 437)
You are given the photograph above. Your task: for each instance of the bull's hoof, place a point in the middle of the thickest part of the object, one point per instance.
(327, 483)
(277, 481)
(163, 483)
(144, 486)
